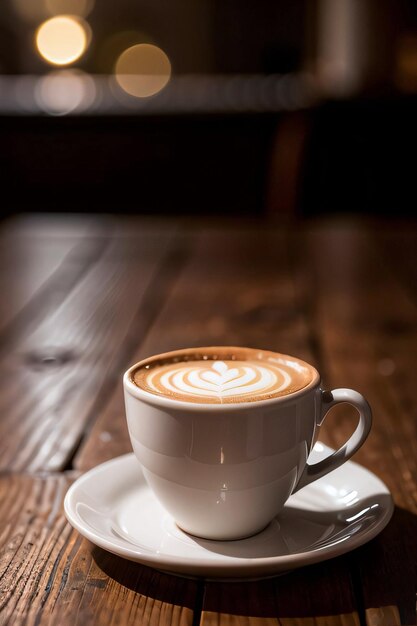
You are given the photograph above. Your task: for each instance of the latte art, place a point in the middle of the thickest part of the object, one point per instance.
(208, 378)
(220, 379)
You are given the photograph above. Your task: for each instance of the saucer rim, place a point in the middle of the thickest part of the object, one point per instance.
(231, 567)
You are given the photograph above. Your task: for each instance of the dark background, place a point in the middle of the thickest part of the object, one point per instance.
(346, 144)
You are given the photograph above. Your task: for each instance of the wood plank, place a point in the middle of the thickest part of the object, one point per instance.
(329, 319)
(366, 324)
(385, 616)
(385, 570)
(397, 244)
(52, 293)
(308, 593)
(232, 291)
(209, 618)
(29, 257)
(68, 362)
(50, 575)
(235, 290)
(223, 619)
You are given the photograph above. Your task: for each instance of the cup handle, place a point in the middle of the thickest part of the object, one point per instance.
(328, 400)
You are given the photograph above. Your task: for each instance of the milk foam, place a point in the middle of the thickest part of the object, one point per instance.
(224, 381)
(221, 379)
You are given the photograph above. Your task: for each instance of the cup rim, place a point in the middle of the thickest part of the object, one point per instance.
(161, 401)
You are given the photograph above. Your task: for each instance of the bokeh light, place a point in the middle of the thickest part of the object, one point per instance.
(143, 70)
(65, 91)
(62, 40)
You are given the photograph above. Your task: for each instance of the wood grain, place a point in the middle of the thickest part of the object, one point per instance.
(68, 360)
(231, 291)
(241, 297)
(318, 590)
(99, 298)
(223, 619)
(50, 575)
(366, 327)
(365, 323)
(383, 616)
(29, 258)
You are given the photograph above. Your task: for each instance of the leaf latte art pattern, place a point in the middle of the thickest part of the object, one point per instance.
(222, 374)
(219, 380)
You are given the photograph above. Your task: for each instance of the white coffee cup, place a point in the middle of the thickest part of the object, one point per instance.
(224, 471)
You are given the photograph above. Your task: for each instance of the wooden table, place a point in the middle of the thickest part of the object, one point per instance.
(82, 298)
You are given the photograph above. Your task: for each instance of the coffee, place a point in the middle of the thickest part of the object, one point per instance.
(223, 375)
(222, 462)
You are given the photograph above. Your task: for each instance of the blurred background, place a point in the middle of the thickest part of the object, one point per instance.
(215, 107)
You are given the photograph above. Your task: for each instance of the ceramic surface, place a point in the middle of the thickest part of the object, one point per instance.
(112, 506)
(224, 471)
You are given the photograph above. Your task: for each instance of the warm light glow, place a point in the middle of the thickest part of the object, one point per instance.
(65, 91)
(61, 40)
(73, 7)
(406, 73)
(143, 70)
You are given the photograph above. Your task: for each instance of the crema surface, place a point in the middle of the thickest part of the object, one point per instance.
(204, 379)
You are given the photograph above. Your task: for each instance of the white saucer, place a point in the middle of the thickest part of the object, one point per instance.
(112, 506)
